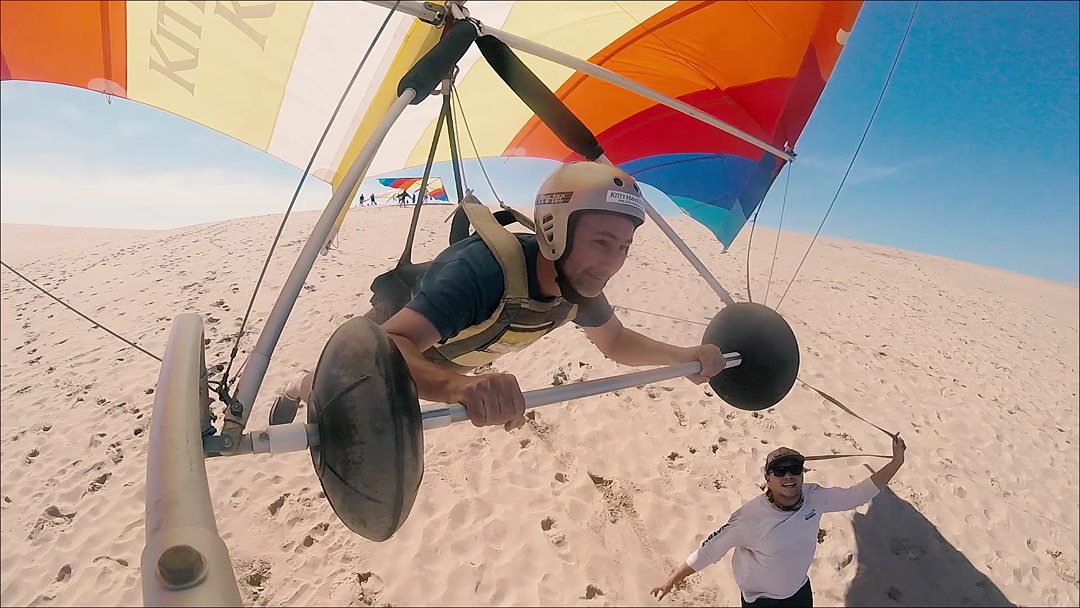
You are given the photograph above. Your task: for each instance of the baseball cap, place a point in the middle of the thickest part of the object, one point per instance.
(783, 454)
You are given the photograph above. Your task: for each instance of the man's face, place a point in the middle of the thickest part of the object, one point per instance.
(787, 484)
(601, 242)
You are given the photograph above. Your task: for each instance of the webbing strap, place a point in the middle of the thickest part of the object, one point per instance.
(503, 244)
(831, 456)
(837, 403)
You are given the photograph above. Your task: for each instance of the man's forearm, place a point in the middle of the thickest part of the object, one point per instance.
(433, 383)
(680, 574)
(632, 348)
(885, 474)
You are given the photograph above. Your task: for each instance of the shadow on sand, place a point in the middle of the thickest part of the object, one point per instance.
(905, 561)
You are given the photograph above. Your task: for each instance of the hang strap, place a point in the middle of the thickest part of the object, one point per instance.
(832, 456)
(502, 243)
(837, 403)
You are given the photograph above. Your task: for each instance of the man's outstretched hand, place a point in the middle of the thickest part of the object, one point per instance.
(711, 359)
(492, 399)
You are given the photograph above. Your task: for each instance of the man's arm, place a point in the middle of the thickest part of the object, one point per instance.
(884, 475)
(672, 581)
(631, 348)
(728, 536)
(488, 399)
(845, 499)
(414, 333)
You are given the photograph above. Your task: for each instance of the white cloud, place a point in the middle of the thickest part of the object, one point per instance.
(114, 198)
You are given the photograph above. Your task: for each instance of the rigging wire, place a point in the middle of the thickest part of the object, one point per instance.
(779, 227)
(72, 309)
(476, 151)
(873, 115)
(749, 244)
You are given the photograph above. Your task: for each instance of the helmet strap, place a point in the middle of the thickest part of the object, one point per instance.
(568, 292)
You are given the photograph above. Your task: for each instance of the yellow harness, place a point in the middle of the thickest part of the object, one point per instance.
(518, 320)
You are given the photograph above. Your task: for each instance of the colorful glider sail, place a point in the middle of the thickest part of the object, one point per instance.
(270, 74)
(436, 190)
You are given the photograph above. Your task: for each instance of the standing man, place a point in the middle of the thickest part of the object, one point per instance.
(775, 535)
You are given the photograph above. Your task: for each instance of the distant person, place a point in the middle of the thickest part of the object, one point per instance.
(775, 535)
(373, 199)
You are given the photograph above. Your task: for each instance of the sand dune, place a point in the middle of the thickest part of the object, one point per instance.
(593, 501)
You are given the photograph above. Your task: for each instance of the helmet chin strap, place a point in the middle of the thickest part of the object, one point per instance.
(568, 292)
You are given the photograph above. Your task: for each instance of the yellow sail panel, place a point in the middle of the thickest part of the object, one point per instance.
(222, 64)
(420, 39)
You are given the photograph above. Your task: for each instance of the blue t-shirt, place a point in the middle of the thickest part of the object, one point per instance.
(464, 285)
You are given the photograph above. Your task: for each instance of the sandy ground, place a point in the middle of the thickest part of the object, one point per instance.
(593, 501)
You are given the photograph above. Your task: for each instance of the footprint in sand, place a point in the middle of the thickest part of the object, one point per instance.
(592, 591)
(53, 517)
(115, 452)
(371, 585)
(253, 576)
(557, 538)
(275, 506)
(31, 455)
(902, 547)
(97, 484)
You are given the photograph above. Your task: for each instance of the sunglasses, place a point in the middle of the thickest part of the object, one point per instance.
(780, 471)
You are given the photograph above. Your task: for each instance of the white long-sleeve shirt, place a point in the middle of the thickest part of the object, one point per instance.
(774, 548)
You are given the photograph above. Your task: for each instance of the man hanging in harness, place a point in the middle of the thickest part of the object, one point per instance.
(497, 292)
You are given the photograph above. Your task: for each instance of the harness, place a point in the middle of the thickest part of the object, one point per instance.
(517, 321)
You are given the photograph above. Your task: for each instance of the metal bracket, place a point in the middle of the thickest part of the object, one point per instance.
(438, 10)
(457, 9)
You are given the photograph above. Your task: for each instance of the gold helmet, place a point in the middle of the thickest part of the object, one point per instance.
(582, 186)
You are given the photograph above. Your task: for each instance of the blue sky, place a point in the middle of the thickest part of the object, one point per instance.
(974, 154)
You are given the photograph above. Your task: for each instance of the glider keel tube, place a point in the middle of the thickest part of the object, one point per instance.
(259, 360)
(184, 561)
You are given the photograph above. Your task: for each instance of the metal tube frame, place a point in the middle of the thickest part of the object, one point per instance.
(438, 415)
(184, 560)
(259, 359)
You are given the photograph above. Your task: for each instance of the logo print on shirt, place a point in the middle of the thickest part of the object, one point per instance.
(713, 535)
(810, 514)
